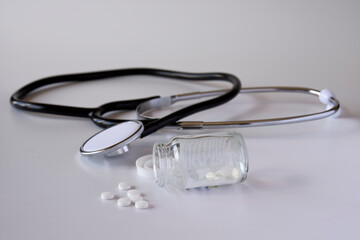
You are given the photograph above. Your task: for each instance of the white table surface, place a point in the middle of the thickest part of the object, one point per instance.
(303, 181)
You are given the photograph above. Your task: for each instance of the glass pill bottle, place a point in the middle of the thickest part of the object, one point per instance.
(200, 160)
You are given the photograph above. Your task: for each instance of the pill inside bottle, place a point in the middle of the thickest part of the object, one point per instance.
(201, 160)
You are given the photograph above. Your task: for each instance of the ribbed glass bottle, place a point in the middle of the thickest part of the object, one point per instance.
(201, 160)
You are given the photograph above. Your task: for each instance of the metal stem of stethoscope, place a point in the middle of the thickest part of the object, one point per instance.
(326, 97)
(115, 140)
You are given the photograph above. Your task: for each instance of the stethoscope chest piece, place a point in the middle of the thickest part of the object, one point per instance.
(113, 140)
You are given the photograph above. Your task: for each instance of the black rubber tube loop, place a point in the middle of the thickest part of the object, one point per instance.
(96, 114)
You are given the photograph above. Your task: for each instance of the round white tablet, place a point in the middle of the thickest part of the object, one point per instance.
(107, 195)
(124, 186)
(235, 173)
(210, 176)
(142, 204)
(135, 198)
(226, 172)
(133, 193)
(124, 202)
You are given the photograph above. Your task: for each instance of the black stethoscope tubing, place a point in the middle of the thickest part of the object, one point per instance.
(97, 114)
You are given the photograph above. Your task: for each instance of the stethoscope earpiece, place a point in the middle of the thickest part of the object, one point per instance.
(325, 96)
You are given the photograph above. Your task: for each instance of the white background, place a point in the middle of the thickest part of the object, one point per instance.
(303, 181)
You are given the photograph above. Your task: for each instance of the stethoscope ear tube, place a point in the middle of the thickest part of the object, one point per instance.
(325, 96)
(97, 114)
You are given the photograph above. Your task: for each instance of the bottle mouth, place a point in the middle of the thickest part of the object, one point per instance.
(244, 164)
(158, 164)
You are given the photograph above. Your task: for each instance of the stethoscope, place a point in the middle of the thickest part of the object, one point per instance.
(119, 133)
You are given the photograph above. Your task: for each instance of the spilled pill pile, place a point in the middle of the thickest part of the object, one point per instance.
(132, 196)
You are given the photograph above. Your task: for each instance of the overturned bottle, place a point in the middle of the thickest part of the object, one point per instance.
(201, 160)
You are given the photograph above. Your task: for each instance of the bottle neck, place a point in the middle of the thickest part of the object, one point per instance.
(161, 156)
(167, 168)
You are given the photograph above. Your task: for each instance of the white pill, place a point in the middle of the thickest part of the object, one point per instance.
(124, 186)
(135, 198)
(210, 176)
(107, 195)
(142, 204)
(133, 192)
(235, 173)
(124, 202)
(226, 172)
